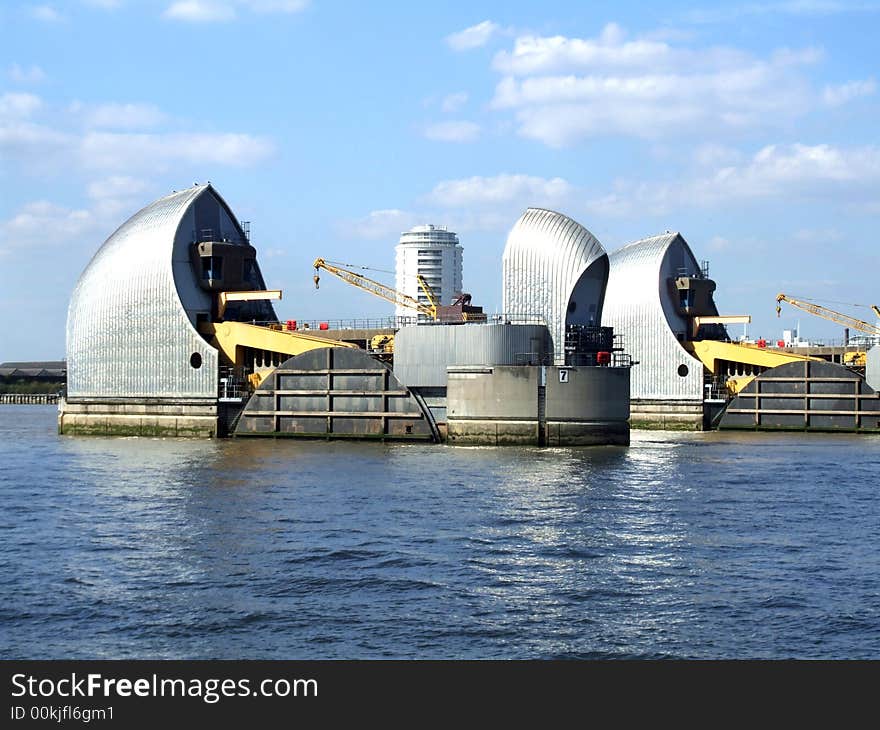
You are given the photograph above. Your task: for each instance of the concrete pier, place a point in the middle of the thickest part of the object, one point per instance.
(535, 405)
(160, 417)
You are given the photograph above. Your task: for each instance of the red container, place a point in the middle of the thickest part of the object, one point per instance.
(323, 326)
(761, 343)
(780, 343)
(291, 325)
(603, 358)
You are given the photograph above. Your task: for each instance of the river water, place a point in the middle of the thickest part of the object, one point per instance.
(710, 545)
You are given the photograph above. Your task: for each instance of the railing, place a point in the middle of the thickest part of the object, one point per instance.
(231, 387)
(857, 342)
(587, 359)
(685, 272)
(212, 235)
(715, 389)
(531, 358)
(309, 325)
(28, 398)
(593, 359)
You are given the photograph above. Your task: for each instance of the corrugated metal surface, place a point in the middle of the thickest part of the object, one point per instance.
(128, 334)
(639, 305)
(872, 369)
(423, 352)
(544, 259)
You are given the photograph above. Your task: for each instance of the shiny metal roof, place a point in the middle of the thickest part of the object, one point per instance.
(639, 305)
(128, 333)
(544, 259)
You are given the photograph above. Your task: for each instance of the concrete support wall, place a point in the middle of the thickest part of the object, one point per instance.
(587, 394)
(516, 405)
(138, 419)
(667, 415)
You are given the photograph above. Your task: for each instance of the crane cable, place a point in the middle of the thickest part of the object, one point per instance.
(357, 266)
(832, 301)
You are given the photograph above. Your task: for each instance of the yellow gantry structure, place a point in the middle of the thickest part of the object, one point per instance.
(740, 362)
(232, 339)
(224, 297)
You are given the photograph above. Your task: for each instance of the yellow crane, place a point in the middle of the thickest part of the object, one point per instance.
(830, 314)
(397, 298)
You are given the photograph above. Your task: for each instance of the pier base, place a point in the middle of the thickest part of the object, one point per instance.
(155, 418)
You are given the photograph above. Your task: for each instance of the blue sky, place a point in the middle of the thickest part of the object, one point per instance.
(752, 128)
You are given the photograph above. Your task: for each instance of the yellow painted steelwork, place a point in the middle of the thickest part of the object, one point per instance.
(855, 359)
(231, 338)
(717, 355)
(722, 319)
(382, 343)
(224, 297)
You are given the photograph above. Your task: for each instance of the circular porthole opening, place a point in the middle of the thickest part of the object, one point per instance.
(683, 370)
(195, 360)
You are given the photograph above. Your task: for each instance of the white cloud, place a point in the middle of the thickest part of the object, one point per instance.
(213, 11)
(468, 204)
(843, 93)
(796, 173)
(714, 155)
(42, 221)
(32, 75)
(117, 186)
(720, 14)
(272, 253)
(718, 243)
(800, 166)
(818, 235)
(61, 144)
(474, 37)
(454, 102)
(503, 188)
(534, 54)
(46, 13)
(200, 11)
(18, 105)
(276, 6)
(563, 90)
(36, 146)
(115, 198)
(460, 131)
(123, 151)
(33, 143)
(123, 116)
(380, 224)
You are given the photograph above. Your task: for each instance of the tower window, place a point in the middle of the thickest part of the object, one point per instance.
(212, 267)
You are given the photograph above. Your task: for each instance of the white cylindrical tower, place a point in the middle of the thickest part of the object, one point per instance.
(435, 253)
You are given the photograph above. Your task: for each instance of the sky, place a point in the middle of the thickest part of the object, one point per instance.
(750, 127)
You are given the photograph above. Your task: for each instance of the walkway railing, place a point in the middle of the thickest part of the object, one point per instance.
(308, 325)
(28, 398)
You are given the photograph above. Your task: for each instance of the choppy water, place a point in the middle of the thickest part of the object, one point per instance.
(694, 545)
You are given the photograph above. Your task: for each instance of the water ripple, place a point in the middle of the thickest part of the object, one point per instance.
(684, 545)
